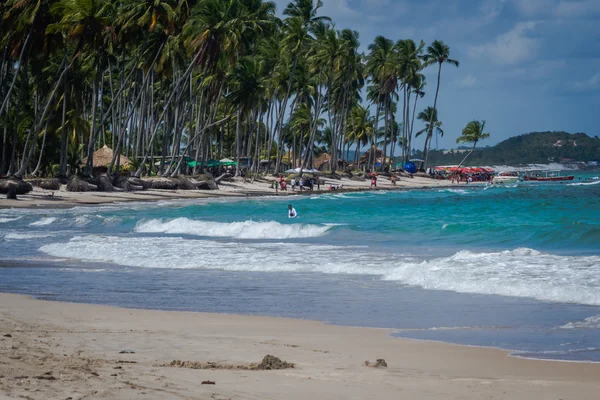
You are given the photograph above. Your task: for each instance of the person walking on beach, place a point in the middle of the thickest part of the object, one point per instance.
(293, 183)
(373, 181)
(291, 212)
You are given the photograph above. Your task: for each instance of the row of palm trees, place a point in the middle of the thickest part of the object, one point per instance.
(162, 80)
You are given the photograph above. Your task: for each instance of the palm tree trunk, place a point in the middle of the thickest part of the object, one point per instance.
(19, 64)
(238, 144)
(92, 140)
(12, 166)
(4, 144)
(64, 146)
(468, 154)
(21, 172)
(434, 113)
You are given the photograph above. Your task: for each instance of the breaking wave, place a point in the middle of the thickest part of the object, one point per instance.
(240, 230)
(588, 323)
(43, 221)
(519, 273)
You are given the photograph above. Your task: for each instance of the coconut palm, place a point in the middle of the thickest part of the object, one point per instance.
(472, 133)
(437, 53)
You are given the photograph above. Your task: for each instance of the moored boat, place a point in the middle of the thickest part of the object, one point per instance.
(548, 176)
(506, 177)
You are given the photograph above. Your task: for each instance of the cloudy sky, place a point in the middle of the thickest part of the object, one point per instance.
(525, 65)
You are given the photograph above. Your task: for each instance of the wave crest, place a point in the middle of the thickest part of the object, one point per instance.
(240, 230)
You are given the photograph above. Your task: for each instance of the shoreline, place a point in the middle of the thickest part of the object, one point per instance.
(79, 345)
(40, 198)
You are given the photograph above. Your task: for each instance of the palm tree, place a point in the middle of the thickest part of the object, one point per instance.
(382, 64)
(430, 118)
(438, 53)
(472, 133)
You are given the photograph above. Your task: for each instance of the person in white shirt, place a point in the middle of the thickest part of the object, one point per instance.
(293, 183)
(291, 212)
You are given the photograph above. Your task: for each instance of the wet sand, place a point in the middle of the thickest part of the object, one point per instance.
(53, 350)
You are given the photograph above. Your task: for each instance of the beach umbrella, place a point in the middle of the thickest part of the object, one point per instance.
(410, 167)
(293, 171)
(226, 160)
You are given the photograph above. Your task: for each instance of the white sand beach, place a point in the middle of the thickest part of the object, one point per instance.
(53, 350)
(237, 188)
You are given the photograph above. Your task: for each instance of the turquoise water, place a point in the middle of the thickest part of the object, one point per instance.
(515, 267)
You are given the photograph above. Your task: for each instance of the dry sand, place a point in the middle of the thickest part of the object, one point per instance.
(71, 351)
(236, 188)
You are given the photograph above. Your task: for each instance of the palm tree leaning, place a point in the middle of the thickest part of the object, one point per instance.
(429, 117)
(438, 53)
(472, 133)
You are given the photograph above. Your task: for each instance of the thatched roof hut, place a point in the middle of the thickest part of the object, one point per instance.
(322, 162)
(366, 157)
(104, 156)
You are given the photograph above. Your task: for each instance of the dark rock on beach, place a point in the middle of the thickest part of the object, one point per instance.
(48, 184)
(18, 185)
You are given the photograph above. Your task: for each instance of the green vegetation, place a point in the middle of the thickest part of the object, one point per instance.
(531, 148)
(160, 80)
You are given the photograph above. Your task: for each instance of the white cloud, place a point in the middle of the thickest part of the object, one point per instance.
(511, 47)
(468, 81)
(592, 83)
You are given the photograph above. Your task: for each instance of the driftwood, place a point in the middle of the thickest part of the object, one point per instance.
(76, 184)
(18, 185)
(226, 176)
(207, 185)
(48, 184)
(184, 183)
(164, 184)
(104, 183)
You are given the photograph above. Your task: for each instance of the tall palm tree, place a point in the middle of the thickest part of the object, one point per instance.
(438, 53)
(472, 133)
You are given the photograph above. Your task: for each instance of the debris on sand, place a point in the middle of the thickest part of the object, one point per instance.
(7, 335)
(269, 362)
(380, 363)
(208, 382)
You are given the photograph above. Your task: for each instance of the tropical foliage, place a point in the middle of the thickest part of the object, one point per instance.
(162, 80)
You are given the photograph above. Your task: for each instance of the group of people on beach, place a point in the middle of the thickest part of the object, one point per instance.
(299, 184)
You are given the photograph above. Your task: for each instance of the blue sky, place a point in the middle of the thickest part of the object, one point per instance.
(526, 65)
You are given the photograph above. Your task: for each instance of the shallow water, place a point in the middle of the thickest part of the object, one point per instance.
(514, 267)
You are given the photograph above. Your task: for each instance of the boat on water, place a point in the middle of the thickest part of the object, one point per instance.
(547, 176)
(506, 177)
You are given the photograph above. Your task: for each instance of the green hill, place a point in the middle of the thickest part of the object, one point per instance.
(530, 148)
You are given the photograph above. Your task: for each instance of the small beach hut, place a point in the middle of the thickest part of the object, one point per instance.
(323, 162)
(102, 159)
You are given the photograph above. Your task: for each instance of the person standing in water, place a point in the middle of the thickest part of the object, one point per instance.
(291, 212)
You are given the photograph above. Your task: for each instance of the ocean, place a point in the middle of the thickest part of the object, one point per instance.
(514, 267)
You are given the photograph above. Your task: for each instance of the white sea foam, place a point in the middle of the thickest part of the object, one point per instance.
(4, 220)
(82, 220)
(520, 272)
(588, 323)
(25, 236)
(43, 221)
(584, 183)
(240, 230)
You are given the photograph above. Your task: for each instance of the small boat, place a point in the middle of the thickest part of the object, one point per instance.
(506, 177)
(547, 176)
